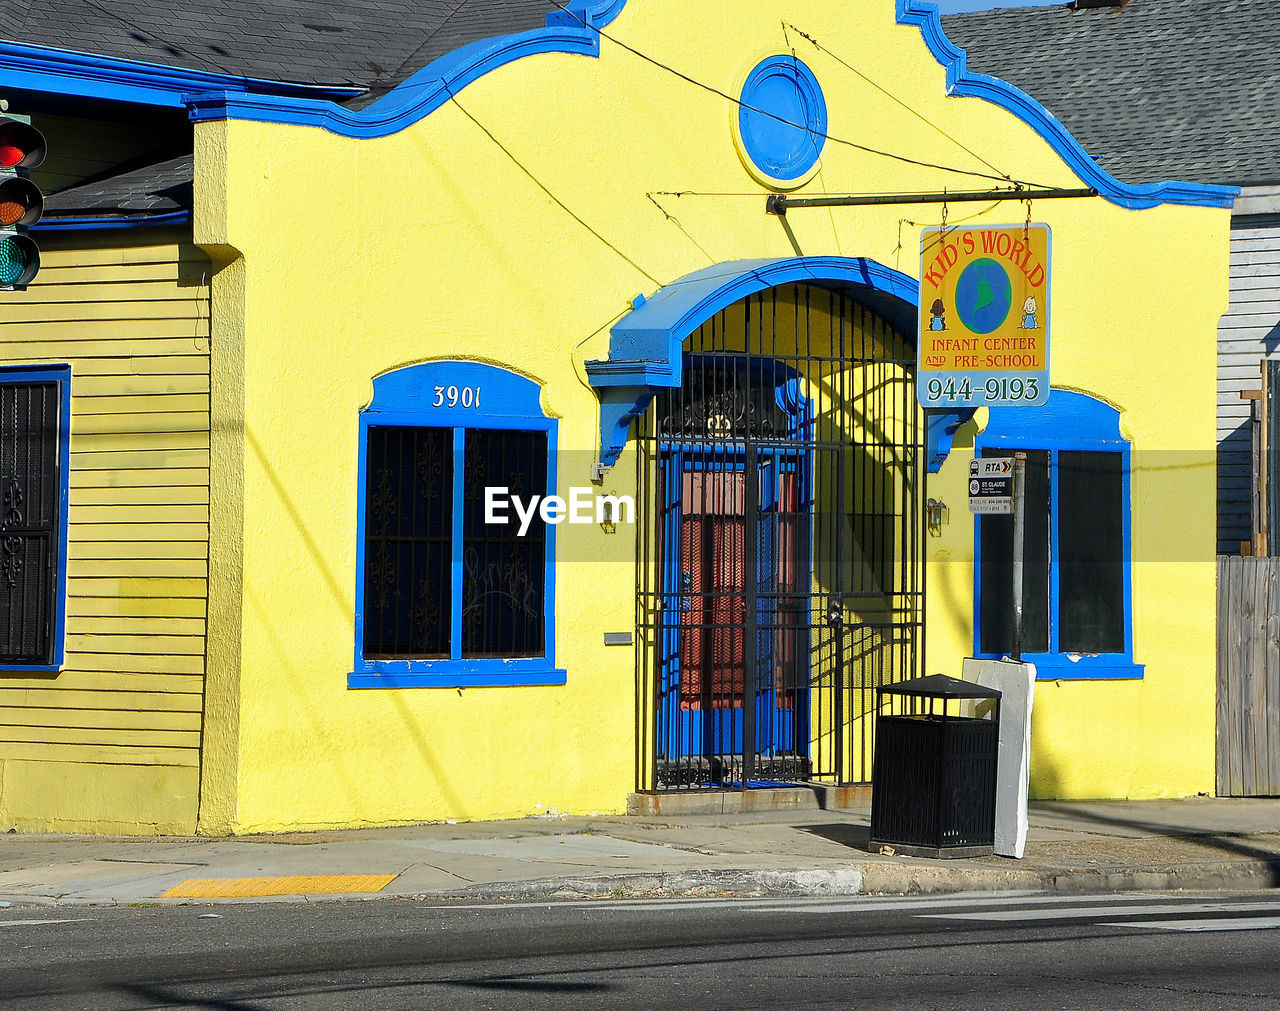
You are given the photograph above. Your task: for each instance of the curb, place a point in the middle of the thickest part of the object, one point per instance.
(667, 884)
(870, 878)
(1252, 875)
(877, 879)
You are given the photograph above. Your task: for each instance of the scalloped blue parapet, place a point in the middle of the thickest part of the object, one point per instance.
(962, 81)
(782, 121)
(574, 28)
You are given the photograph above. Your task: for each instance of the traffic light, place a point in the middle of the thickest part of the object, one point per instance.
(22, 148)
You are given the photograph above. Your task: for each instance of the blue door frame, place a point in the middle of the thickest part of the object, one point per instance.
(766, 490)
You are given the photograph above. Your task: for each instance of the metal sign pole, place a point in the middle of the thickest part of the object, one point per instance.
(1019, 512)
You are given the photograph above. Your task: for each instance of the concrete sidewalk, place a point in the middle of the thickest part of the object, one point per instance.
(1194, 844)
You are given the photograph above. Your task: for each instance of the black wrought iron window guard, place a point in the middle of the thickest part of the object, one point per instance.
(33, 478)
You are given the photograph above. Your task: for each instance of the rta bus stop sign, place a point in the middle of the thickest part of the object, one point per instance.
(991, 485)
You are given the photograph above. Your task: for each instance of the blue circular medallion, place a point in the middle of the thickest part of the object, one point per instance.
(984, 296)
(782, 120)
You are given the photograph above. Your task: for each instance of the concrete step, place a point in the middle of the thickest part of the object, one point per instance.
(800, 797)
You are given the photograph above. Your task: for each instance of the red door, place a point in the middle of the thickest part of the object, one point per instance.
(713, 651)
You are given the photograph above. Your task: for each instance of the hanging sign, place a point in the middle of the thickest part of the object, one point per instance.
(991, 485)
(984, 317)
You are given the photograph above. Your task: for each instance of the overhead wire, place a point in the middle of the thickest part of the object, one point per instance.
(542, 186)
(676, 221)
(937, 238)
(892, 97)
(781, 119)
(579, 368)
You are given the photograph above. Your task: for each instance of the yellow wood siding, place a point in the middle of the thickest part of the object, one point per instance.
(132, 320)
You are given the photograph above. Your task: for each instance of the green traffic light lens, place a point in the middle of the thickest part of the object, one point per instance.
(18, 260)
(12, 261)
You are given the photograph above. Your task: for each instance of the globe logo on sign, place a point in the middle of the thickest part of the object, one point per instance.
(983, 296)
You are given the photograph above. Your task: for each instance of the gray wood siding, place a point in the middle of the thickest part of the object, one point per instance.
(1248, 758)
(1247, 334)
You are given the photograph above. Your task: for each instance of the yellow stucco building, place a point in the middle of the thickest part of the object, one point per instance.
(546, 265)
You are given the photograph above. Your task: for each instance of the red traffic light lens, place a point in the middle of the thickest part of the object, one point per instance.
(21, 145)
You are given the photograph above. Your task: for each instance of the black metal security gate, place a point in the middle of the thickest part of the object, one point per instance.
(779, 556)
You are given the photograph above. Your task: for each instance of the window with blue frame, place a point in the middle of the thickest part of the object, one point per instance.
(1077, 590)
(448, 595)
(35, 405)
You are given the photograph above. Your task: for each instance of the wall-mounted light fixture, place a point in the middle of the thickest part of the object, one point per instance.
(936, 515)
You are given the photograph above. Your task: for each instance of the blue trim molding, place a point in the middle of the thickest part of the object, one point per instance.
(940, 431)
(646, 345)
(66, 72)
(412, 396)
(962, 81)
(1071, 422)
(573, 29)
(60, 374)
(782, 119)
(95, 224)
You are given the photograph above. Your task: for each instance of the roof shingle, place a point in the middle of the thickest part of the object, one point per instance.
(1161, 89)
(374, 44)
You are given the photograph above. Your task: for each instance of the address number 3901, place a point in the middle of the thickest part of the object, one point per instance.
(457, 396)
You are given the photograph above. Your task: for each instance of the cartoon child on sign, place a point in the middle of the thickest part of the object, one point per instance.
(939, 313)
(1029, 310)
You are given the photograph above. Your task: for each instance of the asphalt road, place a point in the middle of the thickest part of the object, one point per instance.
(1148, 951)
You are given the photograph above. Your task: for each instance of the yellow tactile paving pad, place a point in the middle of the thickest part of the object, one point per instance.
(296, 884)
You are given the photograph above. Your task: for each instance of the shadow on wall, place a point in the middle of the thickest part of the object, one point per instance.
(1235, 477)
(1271, 340)
(950, 600)
(303, 679)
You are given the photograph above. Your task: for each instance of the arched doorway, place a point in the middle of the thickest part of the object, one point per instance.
(779, 557)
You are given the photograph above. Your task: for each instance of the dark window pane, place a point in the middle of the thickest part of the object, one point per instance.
(408, 529)
(30, 511)
(1091, 542)
(996, 617)
(503, 573)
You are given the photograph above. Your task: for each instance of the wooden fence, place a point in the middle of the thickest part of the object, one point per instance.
(1248, 676)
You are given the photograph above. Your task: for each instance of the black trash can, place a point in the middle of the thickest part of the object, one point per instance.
(933, 784)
